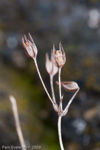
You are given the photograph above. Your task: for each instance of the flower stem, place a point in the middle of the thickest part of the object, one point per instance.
(59, 133)
(17, 122)
(59, 78)
(42, 81)
(52, 88)
(69, 103)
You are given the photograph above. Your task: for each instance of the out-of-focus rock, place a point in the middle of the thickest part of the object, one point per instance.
(73, 146)
(18, 59)
(91, 113)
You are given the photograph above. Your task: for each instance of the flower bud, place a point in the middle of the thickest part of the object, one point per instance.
(59, 56)
(50, 66)
(69, 86)
(30, 46)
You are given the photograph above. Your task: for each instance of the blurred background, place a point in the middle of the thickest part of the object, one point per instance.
(76, 23)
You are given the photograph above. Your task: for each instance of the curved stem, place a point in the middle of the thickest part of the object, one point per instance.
(59, 133)
(59, 78)
(17, 122)
(69, 103)
(43, 81)
(52, 88)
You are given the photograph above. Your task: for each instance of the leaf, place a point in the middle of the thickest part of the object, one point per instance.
(69, 86)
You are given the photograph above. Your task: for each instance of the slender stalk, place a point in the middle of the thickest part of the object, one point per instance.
(43, 82)
(69, 103)
(59, 133)
(17, 122)
(59, 78)
(52, 88)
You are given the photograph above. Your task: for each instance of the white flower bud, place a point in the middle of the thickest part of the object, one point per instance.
(50, 66)
(69, 86)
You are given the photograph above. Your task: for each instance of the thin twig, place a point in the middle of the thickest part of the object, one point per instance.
(54, 104)
(17, 122)
(59, 133)
(59, 78)
(52, 88)
(42, 81)
(69, 103)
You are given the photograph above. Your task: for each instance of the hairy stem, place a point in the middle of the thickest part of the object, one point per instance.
(59, 133)
(52, 88)
(59, 78)
(17, 122)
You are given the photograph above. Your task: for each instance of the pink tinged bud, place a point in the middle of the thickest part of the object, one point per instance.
(30, 46)
(69, 86)
(50, 66)
(59, 56)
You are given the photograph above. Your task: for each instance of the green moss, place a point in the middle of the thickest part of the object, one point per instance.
(50, 138)
(30, 102)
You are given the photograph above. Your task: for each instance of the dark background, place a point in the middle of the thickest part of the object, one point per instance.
(76, 23)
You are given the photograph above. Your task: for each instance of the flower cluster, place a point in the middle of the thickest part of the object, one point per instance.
(53, 66)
